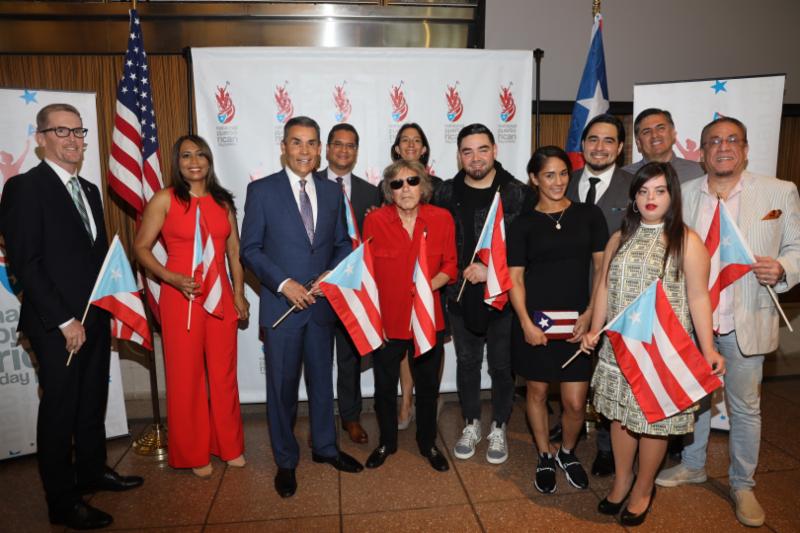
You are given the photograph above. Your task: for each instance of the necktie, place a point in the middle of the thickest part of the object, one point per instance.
(306, 212)
(75, 191)
(340, 181)
(592, 194)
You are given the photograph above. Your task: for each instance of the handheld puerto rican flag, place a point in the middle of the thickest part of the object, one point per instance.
(491, 250)
(350, 288)
(352, 225)
(556, 324)
(423, 314)
(116, 291)
(592, 98)
(731, 258)
(212, 280)
(666, 371)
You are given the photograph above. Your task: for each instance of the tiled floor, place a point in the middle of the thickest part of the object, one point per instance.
(407, 495)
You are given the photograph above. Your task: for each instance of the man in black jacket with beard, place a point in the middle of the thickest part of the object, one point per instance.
(475, 324)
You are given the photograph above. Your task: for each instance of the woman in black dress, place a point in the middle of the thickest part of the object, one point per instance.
(553, 253)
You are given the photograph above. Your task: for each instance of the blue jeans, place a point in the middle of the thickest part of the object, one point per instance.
(742, 395)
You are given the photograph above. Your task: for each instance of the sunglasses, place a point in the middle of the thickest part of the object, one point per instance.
(412, 181)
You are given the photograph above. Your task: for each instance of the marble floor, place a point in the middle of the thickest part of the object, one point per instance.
(407, 495)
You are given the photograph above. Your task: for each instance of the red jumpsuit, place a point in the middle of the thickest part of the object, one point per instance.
(203, 411)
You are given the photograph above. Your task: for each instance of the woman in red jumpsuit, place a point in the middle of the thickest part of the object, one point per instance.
(200, 357)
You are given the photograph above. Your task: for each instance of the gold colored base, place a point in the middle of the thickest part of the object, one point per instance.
(152, 442)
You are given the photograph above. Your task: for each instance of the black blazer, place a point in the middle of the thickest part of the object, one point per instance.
(48, 249)
(614, 200)
(363, 195)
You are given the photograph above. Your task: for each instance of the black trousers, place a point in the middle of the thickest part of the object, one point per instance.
(425, 370)
(72, 410)
(348, 376)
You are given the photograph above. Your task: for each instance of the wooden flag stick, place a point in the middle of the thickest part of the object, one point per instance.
(83, 319)
(292, 308)
(464, 282)
(774, 297)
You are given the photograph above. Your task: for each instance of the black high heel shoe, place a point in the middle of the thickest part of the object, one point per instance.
(629, 519)
(613, 508)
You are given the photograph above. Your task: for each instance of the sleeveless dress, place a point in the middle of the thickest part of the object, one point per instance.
(637, 264)
(203, 410)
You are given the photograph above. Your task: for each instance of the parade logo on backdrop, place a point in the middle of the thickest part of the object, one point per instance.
(342, 103)
(284, 103)
(455, 107)
(225, 108)
(690, 151)
(507, 132)
(9, 167)
(399, 103)
(16, 367)
(374, 176)
(7, 279)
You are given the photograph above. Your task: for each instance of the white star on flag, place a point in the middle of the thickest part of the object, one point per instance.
(544, 323)
(636, 317)
(349, 270)
(116, 274)
(596, 104)
(726, 241)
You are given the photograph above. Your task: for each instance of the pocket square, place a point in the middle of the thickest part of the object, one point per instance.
(772, 215)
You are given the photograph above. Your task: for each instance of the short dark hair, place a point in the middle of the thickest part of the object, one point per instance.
(719, 120)
(474, 129)
(424, 157)
(605, 118)
(306, 122)
(650, 111)
(43, 116)
(542, 154)
(342, 127)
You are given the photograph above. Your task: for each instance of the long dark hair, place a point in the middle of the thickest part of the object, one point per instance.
(674, 228)
(424, 157)
(221, 195)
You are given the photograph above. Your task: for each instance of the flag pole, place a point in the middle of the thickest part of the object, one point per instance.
(475, 252)
(774, 297)
(595, 7)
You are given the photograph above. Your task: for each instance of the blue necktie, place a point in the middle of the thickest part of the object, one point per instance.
(306, 213)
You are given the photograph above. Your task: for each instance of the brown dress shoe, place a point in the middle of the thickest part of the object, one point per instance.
(356, 432)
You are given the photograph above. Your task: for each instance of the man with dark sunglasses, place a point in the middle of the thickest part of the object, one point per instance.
(475, 325)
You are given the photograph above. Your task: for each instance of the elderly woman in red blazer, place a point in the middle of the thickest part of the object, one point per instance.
(395, 231)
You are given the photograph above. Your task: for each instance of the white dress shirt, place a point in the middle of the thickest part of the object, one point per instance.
(600, 188)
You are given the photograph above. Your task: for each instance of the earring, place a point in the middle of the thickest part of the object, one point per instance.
(633, 208)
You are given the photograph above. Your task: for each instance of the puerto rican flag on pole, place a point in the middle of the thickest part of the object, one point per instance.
(423, 314)
(350, 288)
(491, 250)
(134, 165)
(352, 226)
(592, 98)
(115, 291)
(212, 281)
(666, 371)
(731, 258)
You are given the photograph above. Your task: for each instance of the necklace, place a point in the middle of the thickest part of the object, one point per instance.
(556, 220)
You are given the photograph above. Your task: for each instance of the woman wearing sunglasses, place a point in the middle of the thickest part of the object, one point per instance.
(395, 232)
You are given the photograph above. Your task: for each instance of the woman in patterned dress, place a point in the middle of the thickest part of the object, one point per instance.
(653, 242)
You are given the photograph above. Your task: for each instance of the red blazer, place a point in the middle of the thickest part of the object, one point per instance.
(395, 254)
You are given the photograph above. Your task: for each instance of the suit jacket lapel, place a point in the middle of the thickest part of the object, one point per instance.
(322, 206)
(97, 210)
(748, 205)
(60, 191)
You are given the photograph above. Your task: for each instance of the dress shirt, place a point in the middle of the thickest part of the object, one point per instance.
(346, 181)
(395, 254)
(311, 190)
(708, 204)
(600, 188)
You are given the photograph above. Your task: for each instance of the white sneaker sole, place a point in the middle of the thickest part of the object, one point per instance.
(465, 455)
(566, 475)
(542, 491)
(497, 461)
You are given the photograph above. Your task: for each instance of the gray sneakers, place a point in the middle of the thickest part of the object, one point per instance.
(680, 475)
(470, 437)
(497, 452)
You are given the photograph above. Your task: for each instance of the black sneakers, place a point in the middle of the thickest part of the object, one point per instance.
(572, 468)
(545, 480)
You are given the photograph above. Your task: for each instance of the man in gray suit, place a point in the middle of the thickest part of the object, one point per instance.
(600, 182)
(655, 135)
(767, 212)
(342, 153)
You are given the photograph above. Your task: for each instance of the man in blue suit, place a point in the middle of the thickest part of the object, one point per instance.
(294, 231)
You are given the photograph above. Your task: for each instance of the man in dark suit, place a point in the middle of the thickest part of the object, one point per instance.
(294, 232)
(342, 153)
(600, 182)
(55, 237)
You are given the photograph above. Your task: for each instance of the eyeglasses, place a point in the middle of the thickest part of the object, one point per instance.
(733, 140)
(62, 131)
(348, 146)
(412, 181)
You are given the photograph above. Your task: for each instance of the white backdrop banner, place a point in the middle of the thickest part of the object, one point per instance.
(756, 101)
(244, 96)
(19, 388)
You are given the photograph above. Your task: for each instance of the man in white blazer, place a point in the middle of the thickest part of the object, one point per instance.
(767, 211)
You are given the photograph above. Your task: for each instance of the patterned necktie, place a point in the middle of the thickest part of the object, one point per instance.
(306, 213)
(75, 191)
(340, 181)
(592, 194)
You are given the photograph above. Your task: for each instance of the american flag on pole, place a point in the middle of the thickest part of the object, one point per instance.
(352, 225)
(423, 313)
(666, 371)
(592, 97)
(134, 166)
(491, 250)
(115, 291)
(350, 288)
(555, 324)
(211, 280)
(731, 258)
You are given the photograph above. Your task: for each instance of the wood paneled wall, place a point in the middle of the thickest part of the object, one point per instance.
(99, 73)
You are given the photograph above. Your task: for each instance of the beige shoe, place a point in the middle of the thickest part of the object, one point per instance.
(748, 511)
(203, 472)
(239, 462)
(680, 475)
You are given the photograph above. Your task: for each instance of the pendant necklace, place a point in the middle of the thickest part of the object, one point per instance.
(556, 220)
